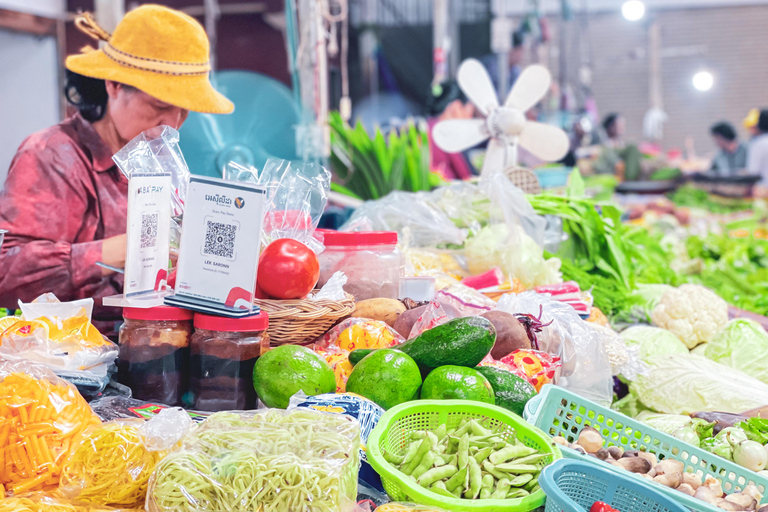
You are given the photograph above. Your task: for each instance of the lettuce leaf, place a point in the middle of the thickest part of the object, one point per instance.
(742, 344)
(653, 341)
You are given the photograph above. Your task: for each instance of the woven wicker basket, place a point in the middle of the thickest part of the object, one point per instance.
(301, 321)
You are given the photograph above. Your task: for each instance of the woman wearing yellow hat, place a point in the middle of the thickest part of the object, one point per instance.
(64, 201)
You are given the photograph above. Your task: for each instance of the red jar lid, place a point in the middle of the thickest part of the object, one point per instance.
(158, 313)
(251, 323)
(353, 238)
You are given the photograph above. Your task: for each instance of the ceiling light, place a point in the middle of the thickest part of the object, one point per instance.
(633, 10)
(703, 81)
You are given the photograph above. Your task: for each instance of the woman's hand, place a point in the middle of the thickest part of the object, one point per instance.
(113, 253)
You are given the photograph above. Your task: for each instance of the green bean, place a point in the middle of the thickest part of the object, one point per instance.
(439, 460)
(439, 488)
(511, 467)
(483, 454)
(530, 485)
(502, 488)
(510, 452)
(432, 440)
(487, 483)
(426, 462)
(418, 435)
(531, 458)
(435, 474)
(478, 429)
(393, 459)
(457, 480)
(410, 453)
(485, 493)
(452, 459)
(516, 493)
(475, 479)
(440, 432)
(424, 447)
(521, 480)
(440, 449)
(463, 450)
(456, 493)
(453, 444)
(492, 470)
(535, 488)
(464, 427)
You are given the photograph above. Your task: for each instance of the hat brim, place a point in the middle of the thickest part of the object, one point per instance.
(191, 92)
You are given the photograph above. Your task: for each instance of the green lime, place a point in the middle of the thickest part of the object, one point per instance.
(288, 369)
(457, 383)
(387, 377)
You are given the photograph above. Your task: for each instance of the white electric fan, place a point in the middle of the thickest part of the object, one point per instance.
(506, 125)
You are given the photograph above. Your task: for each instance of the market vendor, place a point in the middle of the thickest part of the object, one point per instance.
(732, 154)
(64, 201)
(757, 159)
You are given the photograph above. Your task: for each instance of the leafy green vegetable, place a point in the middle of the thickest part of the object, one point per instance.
(693, 197)
(741, 344)
(653, 341)
(756, 429)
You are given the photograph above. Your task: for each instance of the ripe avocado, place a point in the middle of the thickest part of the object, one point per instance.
(387, 377)
(457, 383)
(511, 391)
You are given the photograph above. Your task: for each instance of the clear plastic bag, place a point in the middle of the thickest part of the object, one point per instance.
(111, 463)
(43, 502)
(60, 336)
(296, 197)
(40, 417)
(464, 300)
(271, 460)
(585, 369)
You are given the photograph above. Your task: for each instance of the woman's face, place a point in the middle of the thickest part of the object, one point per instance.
(133, 111)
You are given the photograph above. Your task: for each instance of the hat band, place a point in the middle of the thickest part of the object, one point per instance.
(156, 65)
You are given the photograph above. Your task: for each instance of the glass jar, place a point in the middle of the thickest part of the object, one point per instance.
(224, 352)
(370, 260)
(154, 353)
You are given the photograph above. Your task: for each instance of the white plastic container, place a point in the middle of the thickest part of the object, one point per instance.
(370, 260)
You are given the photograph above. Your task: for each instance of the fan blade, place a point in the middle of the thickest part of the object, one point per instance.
(495, 158)
(476, 84)
(547, 142)
(456, 135)
(532, 84)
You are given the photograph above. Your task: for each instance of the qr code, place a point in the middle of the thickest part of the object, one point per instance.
(149, 230)
(220, 239)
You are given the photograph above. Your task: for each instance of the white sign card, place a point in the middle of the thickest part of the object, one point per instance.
(147, 233)
(220, 244)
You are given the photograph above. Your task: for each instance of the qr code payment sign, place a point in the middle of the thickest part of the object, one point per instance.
(220, 239)
(149, 230)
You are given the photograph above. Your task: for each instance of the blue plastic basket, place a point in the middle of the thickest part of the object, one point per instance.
(573, 486)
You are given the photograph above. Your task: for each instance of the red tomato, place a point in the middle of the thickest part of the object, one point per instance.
(599, 506)
(287, 269)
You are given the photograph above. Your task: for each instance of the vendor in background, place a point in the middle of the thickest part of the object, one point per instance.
(64, 202)
(757, 158)
(732, 154)
(750, 122)
(446, 102)
(614, 126)
(611, 159)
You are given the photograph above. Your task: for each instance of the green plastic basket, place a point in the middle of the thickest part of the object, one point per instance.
(392, 433)
(559, 412)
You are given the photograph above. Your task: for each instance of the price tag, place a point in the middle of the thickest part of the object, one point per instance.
(219, 250)
(147, 234)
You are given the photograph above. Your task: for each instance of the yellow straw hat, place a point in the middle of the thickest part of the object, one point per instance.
(752, 119)
(158, 50)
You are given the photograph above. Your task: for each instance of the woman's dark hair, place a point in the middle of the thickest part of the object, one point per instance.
(88, 94)
(725, 130)
(762, 123)
(609, 121)
(443, 95)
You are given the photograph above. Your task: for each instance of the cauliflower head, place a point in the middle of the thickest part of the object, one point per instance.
(692, 313)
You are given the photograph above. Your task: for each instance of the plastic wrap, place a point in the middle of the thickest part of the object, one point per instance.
(58, 335)
(111, 463)
(351, 334)
(465, 300)
(271, 461)
(110, 408)
(536, 367)
(41, 416)
(42, 502)
(296, 197)
(586, 369)
(407, 507)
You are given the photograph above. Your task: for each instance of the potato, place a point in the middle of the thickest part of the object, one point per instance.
(384, 310)
(510, 334)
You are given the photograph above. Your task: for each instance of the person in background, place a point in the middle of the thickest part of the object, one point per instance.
(446, 102)
(64, 203)
(614, 126)
(757, 157)
(514, 59)
(750, 122)
(613, 144)
(732, 154)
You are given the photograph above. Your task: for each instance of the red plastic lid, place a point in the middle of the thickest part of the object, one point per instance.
(158, 313)
(348, 239)
(251, 323)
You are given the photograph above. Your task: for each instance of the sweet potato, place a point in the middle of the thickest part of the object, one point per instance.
(384, 310)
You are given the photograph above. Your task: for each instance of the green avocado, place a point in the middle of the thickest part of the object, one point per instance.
(457, 383)
(288, 369)
(460, 342)
(387, 377)
(511, 391)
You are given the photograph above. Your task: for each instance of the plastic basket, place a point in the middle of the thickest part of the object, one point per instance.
(559, 412)
(573, 486)
(392, 434)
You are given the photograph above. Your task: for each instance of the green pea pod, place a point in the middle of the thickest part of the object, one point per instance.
(483, 454)
(418, 435)
(435, 474)
(478, 429)
(440, 448)
(511, 467)
(463, 451)
(432, 440)
(502, 488)
(393, 459)
(456, 493)
(410, 453)
(475, 479)
(516, 493)
(493, 471)
(510, 452)
(464, 428)
(530, 459)
(426, 462)
(424, 447)
(439, 460)
(521, 480)
(439, 488)
(531, 485)
(535, 488)
(457, 480)
(485, 493)
(440, 432)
